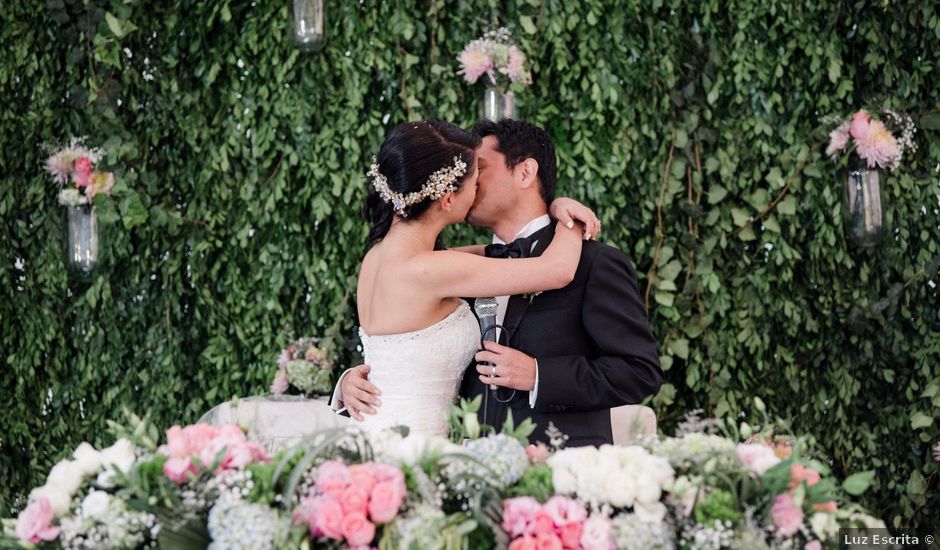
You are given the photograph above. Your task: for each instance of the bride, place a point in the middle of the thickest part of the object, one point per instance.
(417, 336)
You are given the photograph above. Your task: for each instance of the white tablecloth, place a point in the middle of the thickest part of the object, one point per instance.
(276, 421)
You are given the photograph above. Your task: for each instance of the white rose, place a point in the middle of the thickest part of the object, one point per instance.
(121, 454)
(95, 504)
(621, 489)
(564, 481)
(59, 499)
(87, 458)
(647, 490)
(105, 479)
(650, 512)
(66, 476)
(824, 526)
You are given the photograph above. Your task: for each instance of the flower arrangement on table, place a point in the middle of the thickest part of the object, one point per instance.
(496, 56)
(303, 369)
(872, 139)
(344, 488)
(75, 167)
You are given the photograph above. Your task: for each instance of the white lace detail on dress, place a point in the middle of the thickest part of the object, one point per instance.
(419, 372)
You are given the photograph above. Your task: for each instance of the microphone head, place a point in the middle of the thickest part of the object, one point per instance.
(485, 307)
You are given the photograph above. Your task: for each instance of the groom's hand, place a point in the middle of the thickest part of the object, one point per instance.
(514, 369)
(359, 395)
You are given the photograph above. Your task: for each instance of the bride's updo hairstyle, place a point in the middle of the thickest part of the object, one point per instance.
(418, 163)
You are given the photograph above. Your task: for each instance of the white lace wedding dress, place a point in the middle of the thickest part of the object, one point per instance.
(419, 372)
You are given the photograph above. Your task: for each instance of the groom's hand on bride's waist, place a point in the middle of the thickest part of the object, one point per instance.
(513, 369)
(359, 395)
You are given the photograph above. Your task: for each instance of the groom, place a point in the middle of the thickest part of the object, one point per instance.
(572, 354)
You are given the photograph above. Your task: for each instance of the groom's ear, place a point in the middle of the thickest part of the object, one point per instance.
(529, 170)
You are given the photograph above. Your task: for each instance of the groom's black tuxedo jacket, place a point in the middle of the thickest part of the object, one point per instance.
(593, 345)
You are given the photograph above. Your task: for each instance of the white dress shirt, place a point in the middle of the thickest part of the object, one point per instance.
(502, 302)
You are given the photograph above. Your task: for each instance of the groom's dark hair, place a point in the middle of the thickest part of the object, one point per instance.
(520, 140)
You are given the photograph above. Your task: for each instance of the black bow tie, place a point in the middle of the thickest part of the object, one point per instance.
(519, 248)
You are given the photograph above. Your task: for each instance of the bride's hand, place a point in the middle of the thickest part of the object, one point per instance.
(568, 211)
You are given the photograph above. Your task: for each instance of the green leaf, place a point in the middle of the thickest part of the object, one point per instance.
(527, 25)
(740, 216)
(716, 193)
(856, 484)
(679, 347)
(920, 420)
(787, 206)
(664, 298)
(670, 271)
(133, 211)
(930, 121)
(114, 24)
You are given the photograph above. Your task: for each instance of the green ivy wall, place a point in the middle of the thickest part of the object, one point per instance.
(692, 127)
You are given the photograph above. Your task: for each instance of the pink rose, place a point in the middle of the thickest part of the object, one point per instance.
(537, 453)
(357, 529)
(825, 506)
(177, 444)
(548, 541)
(327, 518)
(362, 476)
(333, 477)
(518, 513)
(813, 545)
(596, 534)
(758, 458)
(199, 436)
(81, 174)
(354, 499)
(34, 524)
(564, 510)
(787, 516)
(385, 500)
(799, 474)
(542, 524)
(571, 534)
(387, 472)
(526, 542)
(179, 470)
(303, 512)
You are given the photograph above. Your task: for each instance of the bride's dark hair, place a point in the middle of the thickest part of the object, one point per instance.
(413, 151)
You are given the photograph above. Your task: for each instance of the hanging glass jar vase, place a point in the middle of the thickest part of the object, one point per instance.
(82, 240)
(497, 105)
(308, 24)
(864, 216)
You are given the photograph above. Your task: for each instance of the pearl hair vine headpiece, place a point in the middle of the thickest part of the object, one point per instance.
(439, 184)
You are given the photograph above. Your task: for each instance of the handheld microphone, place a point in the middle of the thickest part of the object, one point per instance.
(485, 309)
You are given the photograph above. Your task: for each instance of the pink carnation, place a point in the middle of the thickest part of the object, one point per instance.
(518, 513)
(280, 384)
(526, 542)
(564, 510)
(596, 534)
(475, 61)
(860, 124)
(34, 524)
(179, 470)
(571, 534)
(542, 524)
(787, 516)
(838, 139)
(799, 474)
(813, 545)
(548, 541)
